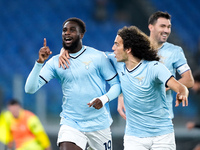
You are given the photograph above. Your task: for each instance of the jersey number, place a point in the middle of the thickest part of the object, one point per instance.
(108, 145)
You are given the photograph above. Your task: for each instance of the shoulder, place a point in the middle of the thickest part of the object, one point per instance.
(6, 115)
(53, 61)
(172, 47)
(95, 53)
(54, 58)
(29, 113)
(154, 64)
(92, 50)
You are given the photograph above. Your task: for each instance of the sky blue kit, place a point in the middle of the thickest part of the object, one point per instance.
(145, 100)
(81, 82)
(173, 58)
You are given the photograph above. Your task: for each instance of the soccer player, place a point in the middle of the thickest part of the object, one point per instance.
(26, 130)
(143, 80)
(171, 55)
(84, 117)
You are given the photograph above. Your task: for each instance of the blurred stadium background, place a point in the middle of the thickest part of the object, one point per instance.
(25, 23)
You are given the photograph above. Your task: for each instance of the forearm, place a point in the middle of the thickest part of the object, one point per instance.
(177, 86)
(33, 82)
(188, 83)
(114, 91)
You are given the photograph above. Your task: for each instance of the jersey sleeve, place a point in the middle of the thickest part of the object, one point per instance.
(106, 68)
(39, 76)
(110, 75)
(48, 71)
(161, 73)
(180, 62)
(38, 130)
(5, 119)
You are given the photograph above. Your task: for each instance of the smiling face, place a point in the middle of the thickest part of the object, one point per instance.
(72, 37)
(161, 30)
(118, 48)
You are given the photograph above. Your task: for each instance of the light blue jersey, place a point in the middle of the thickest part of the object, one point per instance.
(81, 82)
(173, 58)
(144, 95)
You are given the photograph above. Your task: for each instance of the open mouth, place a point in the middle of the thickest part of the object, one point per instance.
(68, 40)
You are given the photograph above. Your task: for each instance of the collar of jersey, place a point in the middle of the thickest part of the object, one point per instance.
(135, 66)
(162, 45)
(77, 54)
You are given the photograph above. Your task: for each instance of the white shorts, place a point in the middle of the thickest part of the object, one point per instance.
(97, 140)
(162, 142)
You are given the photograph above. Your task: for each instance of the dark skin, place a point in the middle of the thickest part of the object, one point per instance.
(70, 34)
(68, 146)
(97, 104)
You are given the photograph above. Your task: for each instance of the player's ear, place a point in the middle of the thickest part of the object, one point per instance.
(150, 26)
(128, 50)
(82, 35)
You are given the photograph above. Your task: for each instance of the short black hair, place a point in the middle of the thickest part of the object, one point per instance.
(159, 14)
(79, 22)
(13, 102)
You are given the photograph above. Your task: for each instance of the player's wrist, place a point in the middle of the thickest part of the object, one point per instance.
(39, 61)
(104, 99)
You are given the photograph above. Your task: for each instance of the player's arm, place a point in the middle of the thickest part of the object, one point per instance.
(109, 73)
(183, 69)
(120, 107)
(180, 89)
(112, 93)
(187, 79)
(34, 82)
(37, 129)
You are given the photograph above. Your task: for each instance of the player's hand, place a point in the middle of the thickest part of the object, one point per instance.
(181, 98)
(64, 59)
(96, 103)
(44, 52)
(121, 108)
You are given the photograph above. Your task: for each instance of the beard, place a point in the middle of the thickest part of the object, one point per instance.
(73, 46)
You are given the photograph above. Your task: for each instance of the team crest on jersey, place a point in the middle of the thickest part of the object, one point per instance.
(140, 79)
(162, 59)
(87, 64)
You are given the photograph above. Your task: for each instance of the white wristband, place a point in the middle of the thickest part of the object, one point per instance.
(104, 99)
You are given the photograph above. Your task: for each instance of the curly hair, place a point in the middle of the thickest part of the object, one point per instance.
(159, 14)
(139, 43)
(79, 22)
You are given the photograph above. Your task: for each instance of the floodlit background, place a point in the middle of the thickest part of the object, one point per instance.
(24, 24)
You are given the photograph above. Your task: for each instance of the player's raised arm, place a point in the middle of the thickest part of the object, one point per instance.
(44, 52)
(34, 82)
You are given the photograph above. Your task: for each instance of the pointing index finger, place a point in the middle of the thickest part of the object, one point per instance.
(45, 42)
